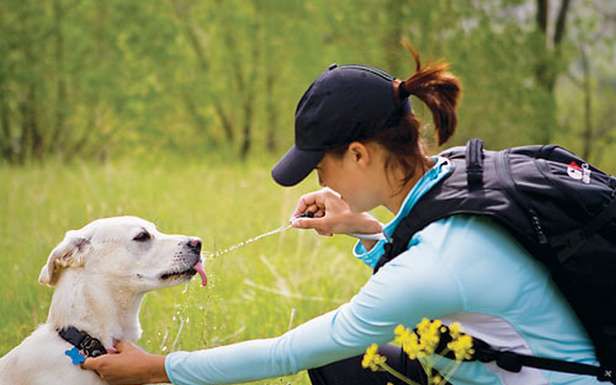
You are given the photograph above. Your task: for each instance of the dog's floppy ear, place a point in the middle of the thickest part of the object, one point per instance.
(68, 253)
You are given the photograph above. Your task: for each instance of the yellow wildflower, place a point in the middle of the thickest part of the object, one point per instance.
(372, 359)
(429, 334)
(462, 347)
(423, 324)
(421, 344)
(400, 334)
(409, 341)
(455, 330)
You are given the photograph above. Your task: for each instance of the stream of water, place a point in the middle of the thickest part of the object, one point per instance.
(218, 253)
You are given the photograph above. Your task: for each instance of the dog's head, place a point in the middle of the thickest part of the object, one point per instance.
(127, 251)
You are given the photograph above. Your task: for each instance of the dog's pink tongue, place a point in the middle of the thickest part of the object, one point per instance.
(201, 271)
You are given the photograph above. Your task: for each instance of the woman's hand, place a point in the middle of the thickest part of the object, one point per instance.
(332, 215)
(130, 365)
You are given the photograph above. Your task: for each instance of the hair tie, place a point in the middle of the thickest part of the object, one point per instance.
(404, 93)
(401, 90)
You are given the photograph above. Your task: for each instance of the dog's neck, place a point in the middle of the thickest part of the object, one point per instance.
(97, 307)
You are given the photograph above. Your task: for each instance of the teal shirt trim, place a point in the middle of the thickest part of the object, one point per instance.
(440, 170)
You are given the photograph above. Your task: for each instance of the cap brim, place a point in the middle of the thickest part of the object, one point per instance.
(295, 165)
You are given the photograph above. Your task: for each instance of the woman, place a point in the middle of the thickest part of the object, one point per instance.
(355, 126)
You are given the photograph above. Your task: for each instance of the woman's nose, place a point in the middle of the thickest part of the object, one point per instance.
(195, 244)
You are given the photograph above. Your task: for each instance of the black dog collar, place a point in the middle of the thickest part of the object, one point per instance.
(85, 343)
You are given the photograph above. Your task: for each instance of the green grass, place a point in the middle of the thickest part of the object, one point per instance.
(252, 292)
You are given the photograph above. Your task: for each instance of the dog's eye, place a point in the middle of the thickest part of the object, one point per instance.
(142, 237)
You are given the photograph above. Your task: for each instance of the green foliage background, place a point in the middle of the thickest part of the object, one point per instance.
(174, 110)
(94, 79)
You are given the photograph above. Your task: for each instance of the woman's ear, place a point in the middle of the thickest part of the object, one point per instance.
(359, 152)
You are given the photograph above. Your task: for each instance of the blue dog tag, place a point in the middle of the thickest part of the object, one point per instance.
(75, 355)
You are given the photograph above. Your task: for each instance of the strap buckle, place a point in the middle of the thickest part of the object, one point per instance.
(85, 343)
(607, 374)
(474, 163)
(92, 346)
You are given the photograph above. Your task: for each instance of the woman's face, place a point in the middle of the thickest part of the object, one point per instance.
(358, 176)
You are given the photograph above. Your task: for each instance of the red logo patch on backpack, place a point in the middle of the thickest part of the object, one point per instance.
(579, 173)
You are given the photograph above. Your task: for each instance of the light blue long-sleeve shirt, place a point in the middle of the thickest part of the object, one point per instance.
(462, 268)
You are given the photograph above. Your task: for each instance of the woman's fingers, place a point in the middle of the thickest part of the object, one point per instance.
(98, 364)
(339, 220)
(128, 366)
(321, 225)
(316, 199)
(312, 209)
(308, 203)
(327, 209)
(304, 202)
(92, 363)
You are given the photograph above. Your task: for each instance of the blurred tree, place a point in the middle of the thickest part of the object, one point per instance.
(84, 78)
(550, 60)
(594, 36)
(61, 102)
(183, 10)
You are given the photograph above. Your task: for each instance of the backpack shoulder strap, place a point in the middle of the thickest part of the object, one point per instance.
(473, 187)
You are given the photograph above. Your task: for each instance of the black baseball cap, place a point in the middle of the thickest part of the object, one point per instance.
(346, 103)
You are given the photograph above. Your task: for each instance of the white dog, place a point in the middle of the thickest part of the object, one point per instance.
(100, 274)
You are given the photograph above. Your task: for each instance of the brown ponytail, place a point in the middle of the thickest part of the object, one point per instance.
(439, 90)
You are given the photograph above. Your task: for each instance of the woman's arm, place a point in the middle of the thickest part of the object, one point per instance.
(408, 288)
(402, 292)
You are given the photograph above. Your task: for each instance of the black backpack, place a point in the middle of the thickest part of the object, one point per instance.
(561, 209)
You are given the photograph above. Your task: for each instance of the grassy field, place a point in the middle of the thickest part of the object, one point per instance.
(258, 291)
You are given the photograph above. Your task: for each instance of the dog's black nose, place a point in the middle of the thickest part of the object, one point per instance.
(195, 244)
